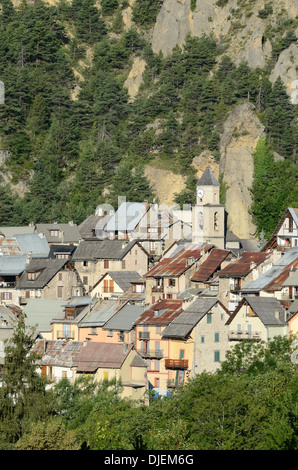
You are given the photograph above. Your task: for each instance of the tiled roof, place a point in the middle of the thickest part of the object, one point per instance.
(96, 355)
(242, 266)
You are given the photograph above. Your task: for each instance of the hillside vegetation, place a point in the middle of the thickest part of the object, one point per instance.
(72, 135)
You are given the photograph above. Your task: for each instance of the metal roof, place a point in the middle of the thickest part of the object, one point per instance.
(9, 247)
(40, 313)
(292, 280)
(125, 318)
(33, 243)
(12, 265)
(183, 324)
(180, 260)
(212, 263)
(243, 266)
(58, 353)
(274, 278)
(96, 355)
(99, 313)
(160, 313)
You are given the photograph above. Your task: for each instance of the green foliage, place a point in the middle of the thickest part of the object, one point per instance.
(145, 11)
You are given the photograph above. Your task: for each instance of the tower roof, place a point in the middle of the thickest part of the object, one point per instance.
(208, 178)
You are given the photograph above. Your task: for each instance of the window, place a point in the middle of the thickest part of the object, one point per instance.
(215, 221)
(85, 280)
(59, 292)
(105, 376)
(290, 224)
(123, 264)
(209, 318)
(106, 264)
(156, 365)
(85, 263)
(110, 333)
(172, 282)
(216, 356)
(202, 339)
(93, 330)
(158, 329)
(54, 233)
(216, 337)
(59, 276)
(32, 275)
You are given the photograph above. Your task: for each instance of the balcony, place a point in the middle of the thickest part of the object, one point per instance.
(65, 335)
(176, 364)
(144, 335)
(157, 288)
(173, 383)
(7, 285)
(151, 353)
(241, 335)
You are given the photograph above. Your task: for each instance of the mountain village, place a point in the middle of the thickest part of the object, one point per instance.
(147, 295)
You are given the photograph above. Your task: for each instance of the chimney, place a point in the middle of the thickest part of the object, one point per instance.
(29, 257)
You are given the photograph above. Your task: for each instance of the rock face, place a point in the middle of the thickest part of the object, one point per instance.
(135, 77)
(165, 183)
(242, 130)
(285, 68)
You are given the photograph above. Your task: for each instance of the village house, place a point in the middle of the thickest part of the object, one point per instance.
(257, 318)
(108, 361)
(121, 326)
(150, 344)
(199, 336)
(57, 359)
(48, 279)
(92, 259)
(205, 277)
(292, 319)
(277, 280)
(59, 234)
(234, 277)
(285, 235)
(114, 284)
(172, 275)
(65, 324)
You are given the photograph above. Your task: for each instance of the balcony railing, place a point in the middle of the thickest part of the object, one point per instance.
(240, 335)
(176, 363)
(144, 335)
(4, 284)
(151, 353)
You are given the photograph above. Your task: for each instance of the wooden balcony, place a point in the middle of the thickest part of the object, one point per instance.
(176, 364)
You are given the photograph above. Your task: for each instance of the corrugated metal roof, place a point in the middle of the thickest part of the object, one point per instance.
(96, 355)
(181, 260)
(212, 263)
(125, 318)
(183, 324)
(58, 353)
(160, 313)
(33, 243)
(12, 265)
(242, 266)
(9, 247)
(277, 275)
(99, 314)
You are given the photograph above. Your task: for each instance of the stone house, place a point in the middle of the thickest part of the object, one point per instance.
(198, 335)
(172, 275)
(49, 279)
(234, 277)
(114, 284)
(258, 318)
(92, 259)
(59, 234)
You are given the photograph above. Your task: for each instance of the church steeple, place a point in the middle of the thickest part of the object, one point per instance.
(208, 188)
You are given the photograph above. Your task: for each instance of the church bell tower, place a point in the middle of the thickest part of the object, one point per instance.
(208, 218)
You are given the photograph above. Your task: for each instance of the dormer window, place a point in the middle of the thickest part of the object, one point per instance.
(33, 275)
(54, 233)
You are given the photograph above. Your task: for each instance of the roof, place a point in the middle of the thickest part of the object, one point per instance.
(9, 247)
(87, 227)
(212, 263)
(208, 178)
(48, 269)
(292, 280)
(40, 313)
(242, 266)
(61, 249)
(96, 355)
(12, 265)
(274, 278)
(58, 353)
(69, 232)
(125, 318)
(161, 313)
(103, 249)
(183, 324)
(127, 217)
(123, 279)
(99, 313)
(33, 243)
(290, 211)
(12, 231)
(180, 260)
(264, 308)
